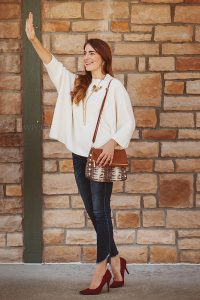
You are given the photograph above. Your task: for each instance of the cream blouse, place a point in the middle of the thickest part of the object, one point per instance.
(117, 118)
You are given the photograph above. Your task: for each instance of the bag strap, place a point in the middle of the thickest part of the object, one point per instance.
(97, 125)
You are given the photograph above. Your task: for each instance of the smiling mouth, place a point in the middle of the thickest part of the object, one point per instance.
(88, 64)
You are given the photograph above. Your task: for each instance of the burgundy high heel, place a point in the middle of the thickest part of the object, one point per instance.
(106, 279)
(115, 283)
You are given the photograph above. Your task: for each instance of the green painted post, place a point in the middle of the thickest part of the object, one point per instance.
(32, 137)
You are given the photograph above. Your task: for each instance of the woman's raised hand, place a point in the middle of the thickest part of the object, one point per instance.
(30, 31)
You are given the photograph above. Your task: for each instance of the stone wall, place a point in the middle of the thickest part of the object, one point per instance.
(11, 234)
(155, 213)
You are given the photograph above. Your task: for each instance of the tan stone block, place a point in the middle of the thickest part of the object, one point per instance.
(11, 140)
(61, 10)
(145, 117)
(163, 254)
(160, 134)
(14, 190)
(14, 239)
(187, 256)
(187, 63)
(55, 150)
(11, 255)
(173, 33)
(181, 103)
(176, 190)
(141, 28)
(119, 26)
(47, 83)
(150, 14)
(187, 165)
(117, 187)
(10, 30)
(46, 42)
(189, 233)
(61, 254)
(9, 63)
(9, 206)
(68, 44)
(10, 103)
(10, 82)
(53, 236)
(10, 173)
(106, 36)
(123, 201)
(164, 166)
(197, 200)
(11, 223)
(8, 154)
(153, 218)
(142, 64)
(187, 14)
(84, 26)
(55, 26)
(157, 236)
(13, 11)
(11, 45)
(189, 134)
(136, 49)
(180, 149)
(181, 75)
(149, 201)
(7, 124)
(19, 124)
(137, 37)
(144, 89)
(66, 165)
(89, 254)
(106, 10)
(174, 87)
(180, 48)
(141, 183)
(80, 237)
(77, 201)
(142, 149)
(124, 236)
(198, 182)
(49, 98)
(189, 243)
(183, 219)
(198, 119)
(59, 184)
(56, 201)
(162, 1)
(197, 33)
(50, 165)
(128, 219)
(65, 218)
(193, 87)
(161, 63)
(2, 239)
(124, 63)
(142, 165)
(176, 119)
(134, 254)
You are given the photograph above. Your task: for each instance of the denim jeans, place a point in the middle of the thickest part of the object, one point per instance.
(96, 197)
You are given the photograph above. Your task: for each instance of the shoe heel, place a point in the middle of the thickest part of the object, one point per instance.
(127, 270)
(108, 284)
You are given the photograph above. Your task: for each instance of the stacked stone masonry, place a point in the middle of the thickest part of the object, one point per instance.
(156, 212)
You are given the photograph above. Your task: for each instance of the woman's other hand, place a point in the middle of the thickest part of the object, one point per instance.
(107, 154)
(30, 31)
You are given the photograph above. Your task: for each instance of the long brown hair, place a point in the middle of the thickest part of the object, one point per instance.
(83, 81)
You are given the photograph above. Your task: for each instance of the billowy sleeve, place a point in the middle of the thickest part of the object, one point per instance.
(124, 116)
(57, 72)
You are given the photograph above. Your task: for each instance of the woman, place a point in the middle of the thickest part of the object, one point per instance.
(74, 122)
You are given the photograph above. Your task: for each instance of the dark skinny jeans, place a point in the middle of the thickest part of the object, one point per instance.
(96, 197)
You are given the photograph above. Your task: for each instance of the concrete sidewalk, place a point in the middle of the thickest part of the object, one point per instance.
(63, 281)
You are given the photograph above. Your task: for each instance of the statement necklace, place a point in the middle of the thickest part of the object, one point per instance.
(95, 88)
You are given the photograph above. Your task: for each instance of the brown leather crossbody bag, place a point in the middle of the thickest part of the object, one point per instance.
(109, 173)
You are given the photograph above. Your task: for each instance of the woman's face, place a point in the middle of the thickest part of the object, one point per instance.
(92, 60)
